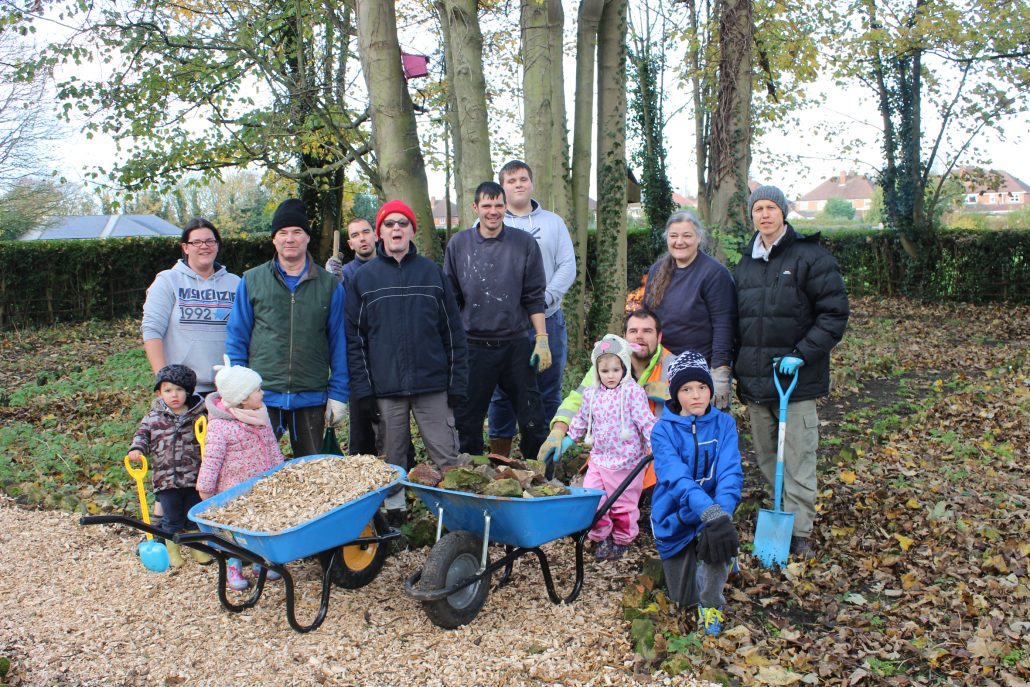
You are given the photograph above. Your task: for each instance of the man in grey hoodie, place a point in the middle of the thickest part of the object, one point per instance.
(187, 307)
(559, 257)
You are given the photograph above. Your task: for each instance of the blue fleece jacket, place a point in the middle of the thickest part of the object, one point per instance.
(697, 464)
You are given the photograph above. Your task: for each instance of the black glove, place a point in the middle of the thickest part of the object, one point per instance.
(454, 401)
(370, 407)
(718, 541)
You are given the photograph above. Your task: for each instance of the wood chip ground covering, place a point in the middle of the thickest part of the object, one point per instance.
(301, 491)
(79, 609)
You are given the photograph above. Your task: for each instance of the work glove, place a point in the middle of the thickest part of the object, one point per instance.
(552, 444)
(718, 541)
(335, 413)
(541, 358)
(370, 407)
(657, 391)
(553, 458)
(722, 377)
(334, 266)
(789, 364)
(454, 401)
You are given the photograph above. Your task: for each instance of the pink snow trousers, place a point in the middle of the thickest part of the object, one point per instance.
(621, 520)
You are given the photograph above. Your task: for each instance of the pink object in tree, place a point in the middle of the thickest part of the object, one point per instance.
(414, 65)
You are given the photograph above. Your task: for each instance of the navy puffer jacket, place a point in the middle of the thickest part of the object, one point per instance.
(794, 304)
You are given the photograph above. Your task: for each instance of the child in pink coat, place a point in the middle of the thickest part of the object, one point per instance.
(615, 423)
(240, 442)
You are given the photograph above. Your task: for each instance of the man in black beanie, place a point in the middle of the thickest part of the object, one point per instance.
(287, 325)
(792, 309)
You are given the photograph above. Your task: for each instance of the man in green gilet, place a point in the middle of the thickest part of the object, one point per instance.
(287, 324)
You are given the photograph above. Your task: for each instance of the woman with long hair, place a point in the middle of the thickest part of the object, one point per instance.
(695, 298)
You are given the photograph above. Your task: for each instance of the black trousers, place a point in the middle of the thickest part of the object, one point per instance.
(503, 363)
(305, 425)
(362, 432)
(175, 505)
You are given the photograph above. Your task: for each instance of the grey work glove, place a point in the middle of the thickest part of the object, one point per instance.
(335, 413)
(334, 266)
(718, 541)
(722, 377)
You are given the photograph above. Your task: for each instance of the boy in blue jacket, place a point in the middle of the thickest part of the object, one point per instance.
(697, 464)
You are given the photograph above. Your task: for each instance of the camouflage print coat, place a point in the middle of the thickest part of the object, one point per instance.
(170, 445)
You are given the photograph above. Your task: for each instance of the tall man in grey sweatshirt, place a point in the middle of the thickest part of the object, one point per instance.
(559, 260)
(497, 276)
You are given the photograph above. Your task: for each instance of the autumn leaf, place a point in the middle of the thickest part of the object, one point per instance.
(848, 477)
(904, 541)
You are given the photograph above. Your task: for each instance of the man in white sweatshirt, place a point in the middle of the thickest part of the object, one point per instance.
(559, 259)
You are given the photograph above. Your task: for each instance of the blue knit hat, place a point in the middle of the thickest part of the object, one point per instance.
(689, 366)
(768, 193)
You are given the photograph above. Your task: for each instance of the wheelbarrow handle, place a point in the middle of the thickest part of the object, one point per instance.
(123, 520)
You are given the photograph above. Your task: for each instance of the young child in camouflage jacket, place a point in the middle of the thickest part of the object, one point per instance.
(166, 436)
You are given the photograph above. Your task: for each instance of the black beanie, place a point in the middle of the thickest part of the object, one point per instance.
(180, 375)
(688, 367)
(291, 213)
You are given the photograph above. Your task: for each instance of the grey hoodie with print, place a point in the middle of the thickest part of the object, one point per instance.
(189, 313)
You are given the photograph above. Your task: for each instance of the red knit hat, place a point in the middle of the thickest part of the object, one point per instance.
(395, 206)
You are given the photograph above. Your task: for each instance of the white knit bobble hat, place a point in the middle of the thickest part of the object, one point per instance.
(235, 382)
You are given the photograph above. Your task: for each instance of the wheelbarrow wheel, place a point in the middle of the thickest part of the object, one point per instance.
(452, 559)
(358, 564)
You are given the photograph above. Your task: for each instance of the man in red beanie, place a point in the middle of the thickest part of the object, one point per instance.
(406, 347)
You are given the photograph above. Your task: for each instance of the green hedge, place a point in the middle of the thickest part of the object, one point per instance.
(42, 282)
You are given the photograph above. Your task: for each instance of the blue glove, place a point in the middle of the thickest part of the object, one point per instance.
(553, 456)
(789, 364)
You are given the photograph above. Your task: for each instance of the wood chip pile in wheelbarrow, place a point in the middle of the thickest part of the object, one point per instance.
(492, 475)
(302, 491)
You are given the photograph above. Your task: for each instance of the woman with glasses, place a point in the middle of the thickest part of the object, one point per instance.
(187, 307)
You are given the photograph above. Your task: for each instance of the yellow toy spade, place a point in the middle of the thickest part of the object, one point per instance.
(153, 554)
(200, 429)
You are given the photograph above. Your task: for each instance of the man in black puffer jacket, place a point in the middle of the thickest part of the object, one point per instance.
(406, 347)
(792, 306)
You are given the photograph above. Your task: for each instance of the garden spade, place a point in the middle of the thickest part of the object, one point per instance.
(774, 527)
(153, 554)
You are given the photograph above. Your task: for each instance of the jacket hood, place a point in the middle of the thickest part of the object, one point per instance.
(182, 267)
(214, 411)
(613, 344)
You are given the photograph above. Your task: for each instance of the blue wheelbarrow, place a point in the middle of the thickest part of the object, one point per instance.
(454, 582)
(350, 542)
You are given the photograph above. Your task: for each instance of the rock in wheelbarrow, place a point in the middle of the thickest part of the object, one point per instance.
(503, 487)
(426, 474)
(463, 479)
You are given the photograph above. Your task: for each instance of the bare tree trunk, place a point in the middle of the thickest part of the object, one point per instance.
(466, 92)
(729, 146)
(610, 285)
(543, 87)
(402, 170)
(582, 137)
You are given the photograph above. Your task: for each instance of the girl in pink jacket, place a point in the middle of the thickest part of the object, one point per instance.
(240, 442)
(615, 424)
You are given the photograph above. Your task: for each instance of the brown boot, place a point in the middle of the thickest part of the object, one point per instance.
(501, 446)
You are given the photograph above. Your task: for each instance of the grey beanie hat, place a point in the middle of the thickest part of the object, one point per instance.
(768, 193)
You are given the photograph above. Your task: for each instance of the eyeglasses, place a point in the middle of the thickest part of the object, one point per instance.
(206, 243)
(391, 223)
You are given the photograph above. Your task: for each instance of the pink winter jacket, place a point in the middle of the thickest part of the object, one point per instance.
(619, 422)
(234, 451)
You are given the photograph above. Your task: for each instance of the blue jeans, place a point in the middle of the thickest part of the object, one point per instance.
(501, 416)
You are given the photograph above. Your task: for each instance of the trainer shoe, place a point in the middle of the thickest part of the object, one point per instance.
(711, 619)
(272, 575)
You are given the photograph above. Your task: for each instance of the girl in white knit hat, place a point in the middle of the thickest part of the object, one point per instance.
(240, 441)
(615, 424)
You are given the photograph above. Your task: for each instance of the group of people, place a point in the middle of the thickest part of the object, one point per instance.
(391, 334)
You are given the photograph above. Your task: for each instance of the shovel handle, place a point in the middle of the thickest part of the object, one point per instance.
(784, 395)
(336, 242)
(138, 474)
(200, 429)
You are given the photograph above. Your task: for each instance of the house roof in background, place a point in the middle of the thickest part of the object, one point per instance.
(103, 227)
(1008, 183)
(847, 186)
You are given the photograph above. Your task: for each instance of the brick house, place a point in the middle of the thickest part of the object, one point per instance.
(857, 189)
(993, 192)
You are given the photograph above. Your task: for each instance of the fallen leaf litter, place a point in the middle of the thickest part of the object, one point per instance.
(302, 491)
